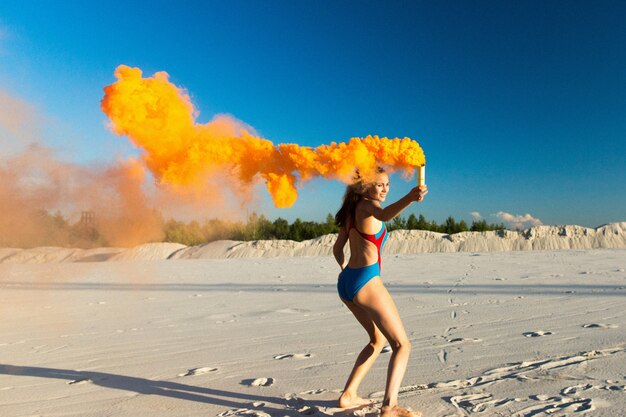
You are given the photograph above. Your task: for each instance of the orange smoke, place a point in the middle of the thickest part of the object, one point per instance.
(36, 181)
(159, 118)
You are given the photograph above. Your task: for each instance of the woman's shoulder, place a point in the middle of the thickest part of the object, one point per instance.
(364, 202)
(366, 206)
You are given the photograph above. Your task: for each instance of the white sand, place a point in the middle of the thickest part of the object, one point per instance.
(526, 333)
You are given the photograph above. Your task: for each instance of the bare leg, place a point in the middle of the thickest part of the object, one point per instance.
(375, 299)
(364, 361)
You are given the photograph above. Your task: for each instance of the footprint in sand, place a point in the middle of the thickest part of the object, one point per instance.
(293, 356)
(243, 412)
(600, 326)
(470, 402)
(198, 371)
(378, 395)
(538, 333)
(314, 391)
(293, 310)
(259, 382)
(308, 411)
(614, 387)
(550, 405)
(478, 403)
(575, 389)
(296, 403)
(462, 339)
(366, 411)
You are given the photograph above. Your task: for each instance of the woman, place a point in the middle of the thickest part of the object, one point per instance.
(361, 220)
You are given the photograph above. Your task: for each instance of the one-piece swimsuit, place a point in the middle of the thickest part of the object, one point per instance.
(351, 280)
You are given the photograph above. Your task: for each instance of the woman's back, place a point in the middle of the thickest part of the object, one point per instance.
(364, 232)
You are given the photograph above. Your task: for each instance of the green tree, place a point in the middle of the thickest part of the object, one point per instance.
(329, 226)
(450, 225)
(310, 230)
(397, 223)
(296, 230)
(411, 222)
(479, 226)
(188, 234)
(264, 228)
(281, 228)
(422, 224)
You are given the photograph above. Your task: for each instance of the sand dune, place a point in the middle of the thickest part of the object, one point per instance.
(610, 236)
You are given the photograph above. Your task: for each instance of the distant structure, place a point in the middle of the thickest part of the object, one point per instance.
(88, 219)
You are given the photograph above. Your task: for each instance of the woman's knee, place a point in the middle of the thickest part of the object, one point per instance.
(378, 342)
(403, 345)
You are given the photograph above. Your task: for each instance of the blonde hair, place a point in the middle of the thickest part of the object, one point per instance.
(354, 194)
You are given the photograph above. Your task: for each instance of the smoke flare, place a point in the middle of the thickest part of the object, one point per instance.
(159, 118)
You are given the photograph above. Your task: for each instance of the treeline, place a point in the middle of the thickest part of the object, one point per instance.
(450, 226)
(46, 229)
(42, 228)
(258, 227)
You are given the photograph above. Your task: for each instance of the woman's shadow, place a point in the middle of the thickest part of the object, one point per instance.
(233, 400)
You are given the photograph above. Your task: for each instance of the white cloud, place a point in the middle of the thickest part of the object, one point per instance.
(476, 215)
(518, 221)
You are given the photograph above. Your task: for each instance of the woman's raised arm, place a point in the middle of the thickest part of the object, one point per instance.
(374, 208)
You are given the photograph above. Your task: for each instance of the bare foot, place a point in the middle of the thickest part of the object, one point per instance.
(351, 401)
(396, 411)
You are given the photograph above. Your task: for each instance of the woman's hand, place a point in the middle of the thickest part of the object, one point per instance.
(418, 193)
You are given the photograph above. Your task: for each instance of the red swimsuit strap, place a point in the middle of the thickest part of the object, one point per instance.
(372, 238)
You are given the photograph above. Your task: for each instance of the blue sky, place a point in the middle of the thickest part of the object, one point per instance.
(520, 107)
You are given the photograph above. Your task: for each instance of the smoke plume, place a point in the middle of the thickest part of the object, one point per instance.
(35, 182)
(159, 118)
(192, 163)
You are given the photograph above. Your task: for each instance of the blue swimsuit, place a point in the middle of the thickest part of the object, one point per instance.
(351, 280)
